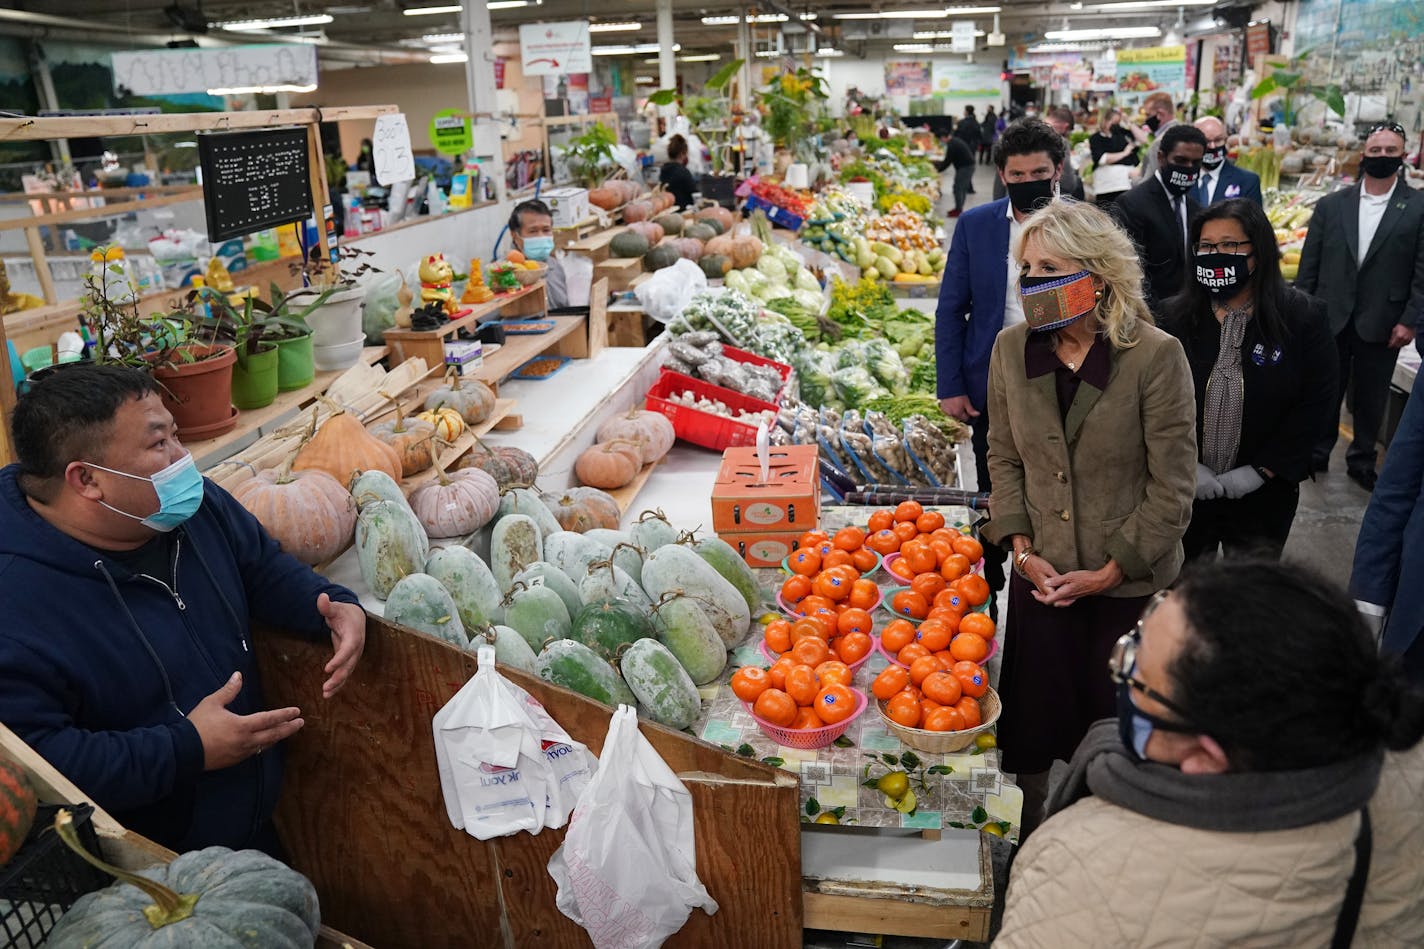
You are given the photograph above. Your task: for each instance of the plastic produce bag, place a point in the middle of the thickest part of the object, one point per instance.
(505, 764)
(379, 314)
(626, 871)
(667, 292)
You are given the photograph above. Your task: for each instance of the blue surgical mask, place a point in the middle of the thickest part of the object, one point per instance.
(538, 248)
(1134, 727)
(180, 492)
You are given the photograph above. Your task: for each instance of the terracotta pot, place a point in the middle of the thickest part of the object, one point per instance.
(199, 393)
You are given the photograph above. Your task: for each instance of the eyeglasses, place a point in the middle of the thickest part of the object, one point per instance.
(1225, 247)
(1122, 662)
(1394, 127)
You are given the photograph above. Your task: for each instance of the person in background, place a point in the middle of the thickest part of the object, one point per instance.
(1259, 787)
(1160, 114)
(1220, 179)
(1060, 120)
(978, 296)
(958, 154)
(1156, 213)
(988, 134)
(1114, 147)
(1092, 452)
(130, 586)
(531, 229)
(675, 176)
(1263, 362)
(968, 129)
(1364, 255)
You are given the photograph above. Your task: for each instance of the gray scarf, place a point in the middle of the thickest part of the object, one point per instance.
(1230, 803)
(1225, 394)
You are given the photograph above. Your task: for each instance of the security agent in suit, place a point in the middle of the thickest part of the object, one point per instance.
(1364, 256)
(1156, 213)
(1220, 179)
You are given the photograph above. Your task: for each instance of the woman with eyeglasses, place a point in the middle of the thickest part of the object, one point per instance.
(1091, 455)
(1263, 784)
(1264, 367)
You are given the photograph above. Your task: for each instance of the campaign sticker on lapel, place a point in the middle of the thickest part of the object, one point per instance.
(1275, 355)
(1233, 191)
(1258, 354)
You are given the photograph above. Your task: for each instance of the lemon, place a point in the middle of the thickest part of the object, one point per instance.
(895, 785)
(986, 741)
(827, 818)
(994, 829)
(905, 804)
(767, 619)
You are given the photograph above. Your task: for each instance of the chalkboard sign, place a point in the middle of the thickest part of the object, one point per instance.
(254, 179)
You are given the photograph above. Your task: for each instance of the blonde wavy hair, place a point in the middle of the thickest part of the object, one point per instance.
(1086, 236)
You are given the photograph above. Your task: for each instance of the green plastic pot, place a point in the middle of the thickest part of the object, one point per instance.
(254, 378)
(294, 363)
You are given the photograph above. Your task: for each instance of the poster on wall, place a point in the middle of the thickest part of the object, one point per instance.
(975, 81)
(578, 94)
(1258, 42)
(911, 78)
(1372, 45)
(1104, 74)
(1141, 72)
(555, 49)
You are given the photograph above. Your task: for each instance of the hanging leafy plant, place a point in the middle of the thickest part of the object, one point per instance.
(1291, 82)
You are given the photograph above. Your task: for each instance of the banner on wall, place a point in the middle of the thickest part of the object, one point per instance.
(1141, 72)
(976, 81)
(913, 78)
(555, 49)
(1104, 74)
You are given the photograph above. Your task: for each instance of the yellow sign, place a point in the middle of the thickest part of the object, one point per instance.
(1152, 54)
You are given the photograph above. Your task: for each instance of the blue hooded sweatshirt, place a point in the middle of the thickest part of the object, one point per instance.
(99, 666)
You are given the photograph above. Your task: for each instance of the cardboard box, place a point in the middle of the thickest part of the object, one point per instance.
(762, 550)
(788, 501)
(466, 356)
(568, 205)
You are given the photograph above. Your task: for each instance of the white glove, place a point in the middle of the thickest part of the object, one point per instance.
(1207, 485)
(1239, 482)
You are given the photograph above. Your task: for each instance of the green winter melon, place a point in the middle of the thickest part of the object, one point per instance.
(661, 684)
(652, 531)
(527, 501)
(574, 666)
(390, 544)
(610, 626)
(724, 559)
(664, 255)
(675, 569)
(476, 594)
(683, 627)
(515, 543)
(510, 648)
(538, 614)
(376, 485)
(421, 602)
(543, 573)
(628, 244)
(572, 552)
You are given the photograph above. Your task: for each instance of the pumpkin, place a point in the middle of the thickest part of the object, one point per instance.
(208, 897)
(720, 215)
(638, 211)
(715, 265)
(631, 243)
(688, 248)
(653, 232)
(470, 397)
(662, 200)
(411, 438)
(611, 464)
(343, 449)
(700, 231)
(447, 423)
(309, 513)
(671, 223)
(584, 509)
(17, 809)
(508, 466)
(457, 504)
(651, 431)
(746, 251)
(664, 255)
(605, 198)
(723, 245)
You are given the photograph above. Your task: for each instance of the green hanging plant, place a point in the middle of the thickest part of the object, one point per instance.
(1292, 83)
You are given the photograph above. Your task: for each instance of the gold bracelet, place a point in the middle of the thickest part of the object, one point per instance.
(1022, 556)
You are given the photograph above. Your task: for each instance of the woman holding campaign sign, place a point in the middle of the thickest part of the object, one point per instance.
(1264, 364)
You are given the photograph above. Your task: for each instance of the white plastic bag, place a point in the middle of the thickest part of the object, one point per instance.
(666, 293)
(627, 871)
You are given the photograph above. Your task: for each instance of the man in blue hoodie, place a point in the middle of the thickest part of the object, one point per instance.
(127, 583)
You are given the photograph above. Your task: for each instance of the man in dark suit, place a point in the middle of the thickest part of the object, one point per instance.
(979, 295)
(1364, 255)
(1156, 212)
(1220, 179)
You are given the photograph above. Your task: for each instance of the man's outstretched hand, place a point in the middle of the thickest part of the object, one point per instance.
(347, 623)
(229, 738)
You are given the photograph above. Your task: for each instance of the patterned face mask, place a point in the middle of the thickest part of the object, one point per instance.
(1052, 303)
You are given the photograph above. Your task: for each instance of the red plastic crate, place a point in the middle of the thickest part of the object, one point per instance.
(741, 355)
(704, 428)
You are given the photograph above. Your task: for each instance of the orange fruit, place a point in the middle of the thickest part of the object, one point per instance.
(972, 678)
(855, 621)
(880, 520)
(952, 599)
(812, 540)
(905, 530)
(777, 635)
(969, 647)
(835, 557)
(802, 684)
(969, 707)
(863, 559)
(832, 585)
(890, 681)
(946, 657)
(972, 550)
(909, 603)
(928, 705)
(975, 589)
(515, 257)
(778, 671)
(827, 615)
(806, 628)
(942, 687)
(946, 616)
(795, 588)
(908, 511)
(883, 542)
(921, 668)
(849, 538)
(749, 682)
(834, 672)
(911, 690)
(910, 653)
(934, 635)
(928, 584)
(807, 718)
(915, 558)
(863, 594)
(942, 549)
(929, 522)
(977, 623)
(944, 720)
(896, 635)
(809, 652)
(804, 561)
(776, 707)
(904, 709)
(853, 647)
(954, 567)
(834, 704)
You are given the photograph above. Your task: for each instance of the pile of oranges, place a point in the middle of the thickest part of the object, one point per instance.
(798, 691)
(937, 560)
(932, 694)
(829, 595)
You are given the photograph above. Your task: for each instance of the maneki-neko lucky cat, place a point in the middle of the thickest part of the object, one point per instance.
(436, 283)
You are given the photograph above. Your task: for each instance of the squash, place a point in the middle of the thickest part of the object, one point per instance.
(676, 570)
(309, 514)
(610, 627)
(510, 648)
(724, 559)
(648, 229)
(537, 613)
(671, 223)
(508, 466)
(448, 423)
(688, 248)
(390, 544)
(699, 231)
(662, 200)
(581, 509)
(413, 440)
(683, 627)
(718, 216)
(343, 448)
(209, 897)
(514, 545)
(653, 530)
(746, 251)
(626, 554)
(663, 255)
(454, 505)
(715, 265)
(572, 553)
(605, 198)
(421, 602)
(652, 432)
(638, 211)
(376, 486)
(630, 243)
(529, 502)
(17, 809)
(661, 684)
(572, 665)
(724, 245)
(605, 581)
(470, 397)
(543, 573)
(611, 464)
(477, 597)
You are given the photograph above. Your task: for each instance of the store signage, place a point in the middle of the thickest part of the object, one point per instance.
(1141, 72)
(499, 73)
(908, 78)
(598, 105)
(1258, 42)
(962, 36)
(254, 179)
(555, 49)
(450, 132)
(973, 81)
(390, 149)
(157, 72)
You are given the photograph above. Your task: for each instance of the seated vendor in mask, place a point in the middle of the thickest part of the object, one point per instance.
(531, 227)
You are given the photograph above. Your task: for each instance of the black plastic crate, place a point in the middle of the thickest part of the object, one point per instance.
(45, 878)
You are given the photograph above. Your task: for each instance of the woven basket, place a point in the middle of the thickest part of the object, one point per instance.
(938, 743)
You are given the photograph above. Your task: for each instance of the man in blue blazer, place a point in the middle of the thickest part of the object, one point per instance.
(1220, 179)
(979, 294)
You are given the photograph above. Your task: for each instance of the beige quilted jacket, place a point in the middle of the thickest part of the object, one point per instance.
(1099, 875)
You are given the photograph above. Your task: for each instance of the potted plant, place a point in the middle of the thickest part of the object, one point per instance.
(330, 299)
(273, 341)
(1289, 78)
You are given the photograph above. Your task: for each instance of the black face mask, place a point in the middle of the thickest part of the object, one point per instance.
(1029, 196)
(1153, 123)
(1381, 166)
(1223, 275)
(1214, 157)
(1180, 179)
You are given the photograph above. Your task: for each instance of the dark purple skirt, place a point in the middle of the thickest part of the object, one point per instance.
(1054, 679)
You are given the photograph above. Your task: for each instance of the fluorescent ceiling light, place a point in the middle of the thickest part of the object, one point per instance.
(918, 14)
(645, 81)
(1148, 4)
(829, 52)
(941, 34)
(1109, 33)
(914, 48)
(431, 11)
(1071, 47)
(443, 38)
(243, 26)
(700, 58)
(639, 49)
(624, 27)
(262, 90)
(509, 4)
(754, 18)
(441, 58)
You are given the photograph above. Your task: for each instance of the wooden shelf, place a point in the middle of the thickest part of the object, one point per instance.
(430, 344)
(565, 339)
(626, 495)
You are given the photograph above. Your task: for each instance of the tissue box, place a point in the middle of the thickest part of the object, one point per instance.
(788, 501)
(568, 205)
(466, 356)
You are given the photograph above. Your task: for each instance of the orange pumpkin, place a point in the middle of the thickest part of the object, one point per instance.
(343, 448)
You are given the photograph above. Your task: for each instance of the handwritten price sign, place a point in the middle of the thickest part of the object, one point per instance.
(390, 149)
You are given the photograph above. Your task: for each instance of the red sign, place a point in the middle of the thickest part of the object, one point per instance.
(499, 73)
(600, 104)
(1258, 42)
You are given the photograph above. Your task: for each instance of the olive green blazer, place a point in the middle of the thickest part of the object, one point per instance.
(1115, 479)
